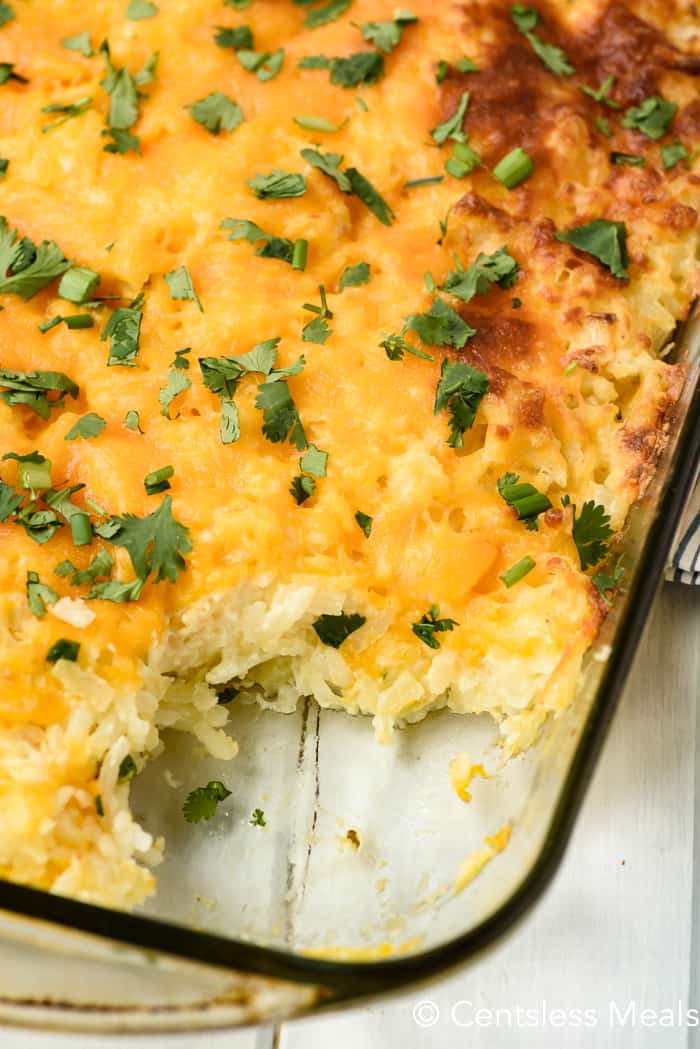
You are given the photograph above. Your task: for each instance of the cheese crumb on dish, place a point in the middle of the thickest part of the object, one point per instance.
(330, 366)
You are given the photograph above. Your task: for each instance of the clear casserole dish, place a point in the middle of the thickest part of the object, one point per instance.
(365, 878)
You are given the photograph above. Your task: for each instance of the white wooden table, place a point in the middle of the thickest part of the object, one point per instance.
(617, 933)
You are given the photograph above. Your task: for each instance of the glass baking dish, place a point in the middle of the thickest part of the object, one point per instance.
(362, 880)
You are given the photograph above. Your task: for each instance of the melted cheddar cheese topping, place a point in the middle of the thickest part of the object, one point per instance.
(578, 395)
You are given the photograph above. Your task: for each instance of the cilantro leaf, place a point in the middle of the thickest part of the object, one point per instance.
(280, 416)
(365, 522)
(68, 110)
(591, 533)
(328, 164)
(154, 543)
(498, 268)
(122, 141)
(453, 126)
(333, 630)
(302, 488)
(370, 197)
(39, 595)
(460, 390)
(123, 329)
(652, 117)
(201, 804)
(524, 498)
(139, 9)
(314, 461)
(90, 425)
(674, 154)
(327, 13)
(258, 817)
(101, 565)
(216, 112)
(606, 582)
(272, 248)
(32, 389)
(601, 94)
(177, 383)
(265, 64)
(10, 501)
(354, 276)
(395, 346)
(364, 67)
(440, 326)
(277, 184)
(238, 38)
(316, 330)
(604, 240)
(6, 14)
(117, 591)
(526, 20)
(430, 624)
(387, 35)
(26, 268)
(63, 649)
(180, 285)
(80, 42)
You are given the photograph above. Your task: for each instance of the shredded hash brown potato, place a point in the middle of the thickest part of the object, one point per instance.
(439, 594)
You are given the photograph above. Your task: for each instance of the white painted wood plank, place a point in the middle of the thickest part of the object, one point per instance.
(247, 1039)
(606, 931)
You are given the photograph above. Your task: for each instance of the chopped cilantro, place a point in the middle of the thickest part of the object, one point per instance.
(67, 111)
(370, 197)
(652, 117)
(216, 112)
(387, 35)
(603, 126)
(180, 286)
(63, 649)
(139, 9)
(10, 501)
(154, 543)
(258, 817)
(499, 268)
(517, 572)
(430, 624)
(176, 384)
(80, 42)
(4, 165)
(6, 14)
(354, 276)
(7, 73)
(25, 267)
(99, 807)
(463, 161)
(201, 804)
(123, 329)
(460, 390)
(314, 462)
(365, 522)
(317, 330)
(292, 252)
(101, 565)
(602, 94)
(452, 128)
(265, 64)
(606, 582)
(277, 184)
(604, 240)
(418, 183)
(632, 160)
(328, 164)
(395, 346)
(591, 533)
(526, 19)
(32, 389)
(674, 154)
(440, 326)
(364, 67)
(39, 595)
(328, 12)
(280, 416)
(310, 123)
(333, 630)
(524, 498)
(127, 769)
(90, 425)
(73, 321)
(239, 38)
(132, 420)
(122, 141)
(302, 488)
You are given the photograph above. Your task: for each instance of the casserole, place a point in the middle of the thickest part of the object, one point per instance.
(500, 504)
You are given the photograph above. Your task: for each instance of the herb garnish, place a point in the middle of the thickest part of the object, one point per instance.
(238, 38)
(258, 817)
(39, 595)
(25, 267)
(430, 624)
(387, 35)
(477, 279)
(180, 285)
(524, 498)
(517, 571)
(90, 425)
(201, 804)
(292, 252)
(460, 390)
(354, 276)
(123, 329)
(652, 117)
(591, 533)
(364, 67)
(312, 464)
(365, 522)
(265, 64)
(63, 649)
(452, 127)
(216, 112)
(526, 19)
(334, 630)
(155, 544)
(604, 240)
(514, 168)
(277, 184)
(33, 388)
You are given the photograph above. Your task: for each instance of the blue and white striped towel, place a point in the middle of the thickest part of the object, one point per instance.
(684, 564)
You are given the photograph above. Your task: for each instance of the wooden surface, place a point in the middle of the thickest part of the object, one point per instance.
(617, 933)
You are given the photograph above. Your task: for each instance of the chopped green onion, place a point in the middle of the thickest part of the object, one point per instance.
(315, 123)
(78, 284)
(517, 572)
(63, 649)
(81, 529)
(430, 180)
(299, 254)
(514, 168)
(157, 480)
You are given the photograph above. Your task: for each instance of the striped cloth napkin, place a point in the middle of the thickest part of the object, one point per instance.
(684, 563)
